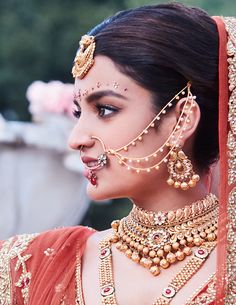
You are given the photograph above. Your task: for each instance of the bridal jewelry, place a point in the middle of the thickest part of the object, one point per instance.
(157, 240)
(84, 59)
(106, 278)
(179, 166)
(181, 171)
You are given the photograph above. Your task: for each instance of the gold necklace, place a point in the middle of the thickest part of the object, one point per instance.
(157, 240)
(106, 278)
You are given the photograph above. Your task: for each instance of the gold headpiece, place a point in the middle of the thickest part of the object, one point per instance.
(84, 59)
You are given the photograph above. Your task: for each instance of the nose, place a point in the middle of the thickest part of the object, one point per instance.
(80, 138)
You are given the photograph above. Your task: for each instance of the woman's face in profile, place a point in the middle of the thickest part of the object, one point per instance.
(111, 106)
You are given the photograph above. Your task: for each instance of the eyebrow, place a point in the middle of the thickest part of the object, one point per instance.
(100, 94)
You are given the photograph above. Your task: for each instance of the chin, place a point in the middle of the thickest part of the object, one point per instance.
(103, 192)
(97, 193)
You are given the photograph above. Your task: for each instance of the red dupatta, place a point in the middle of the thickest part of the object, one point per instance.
(226, 264)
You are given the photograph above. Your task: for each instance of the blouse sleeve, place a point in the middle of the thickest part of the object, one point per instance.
(13, 271)
(38, 269)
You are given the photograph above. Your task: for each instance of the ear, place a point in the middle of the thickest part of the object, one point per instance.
(186, 129)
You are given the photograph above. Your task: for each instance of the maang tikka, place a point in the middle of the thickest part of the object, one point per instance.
(179, 166)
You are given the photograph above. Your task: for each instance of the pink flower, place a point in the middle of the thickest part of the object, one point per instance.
(52, 97)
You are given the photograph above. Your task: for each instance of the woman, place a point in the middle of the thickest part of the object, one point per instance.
(146, 96)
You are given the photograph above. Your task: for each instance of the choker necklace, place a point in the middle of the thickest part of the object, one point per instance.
(157, 240)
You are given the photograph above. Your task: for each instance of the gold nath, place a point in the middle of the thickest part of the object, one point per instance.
(84, 59)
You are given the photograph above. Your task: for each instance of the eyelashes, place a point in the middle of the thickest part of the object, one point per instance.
(103, 111)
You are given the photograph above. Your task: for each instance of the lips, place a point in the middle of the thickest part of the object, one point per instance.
(90, 162)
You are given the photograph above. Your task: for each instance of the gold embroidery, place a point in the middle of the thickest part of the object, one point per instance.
(79, 289)
(231, 262)
(5, 279)
(230, 299)
(10, 250)
(230, 24)
(206, 297)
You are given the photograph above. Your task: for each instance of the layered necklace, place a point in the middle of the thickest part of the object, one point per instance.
(158, 240)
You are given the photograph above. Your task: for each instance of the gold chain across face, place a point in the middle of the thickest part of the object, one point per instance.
(138, 163)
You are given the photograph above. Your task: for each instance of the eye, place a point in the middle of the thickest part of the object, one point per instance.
(76, 113)
(106, 110)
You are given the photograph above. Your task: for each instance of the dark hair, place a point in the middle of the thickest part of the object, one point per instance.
(162, 47)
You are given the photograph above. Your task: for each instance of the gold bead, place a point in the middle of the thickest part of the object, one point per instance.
(184, 186)
(140, 248)
(155, 270)
(132, 243)
(187, 251)
(164, 263)
(178, 165)
(212, 228)
(123, 248)
(145, 250)
(140, 138)
(115, 224)
(183, 242)
(115, 238)
(180, 255)
(203, 234)
(167, 248)
(135, 257)
(136, 244)
(211, 236)
(124, 237)
(177, 184)
(152, 253)
(196, 178)
(170, 257)
(118, 245)
(160, 253)
(170, 181)
(125, 148)
(142, 260)
(156, 260)
(197, 241)
(128, 253)
(157, 167)
(190, 239)
(192, 183)
(175, 245)
(128, 240)
(208, 231)
(148, 263)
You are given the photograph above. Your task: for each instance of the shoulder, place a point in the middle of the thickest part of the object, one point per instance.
(56, 237)
(27, 258)
(92, 245)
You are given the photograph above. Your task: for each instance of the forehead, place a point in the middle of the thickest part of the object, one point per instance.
(105, 74)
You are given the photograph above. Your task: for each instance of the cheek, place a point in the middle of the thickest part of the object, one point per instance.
(116, 181)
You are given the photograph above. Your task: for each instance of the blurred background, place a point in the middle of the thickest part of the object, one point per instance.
(38, 41)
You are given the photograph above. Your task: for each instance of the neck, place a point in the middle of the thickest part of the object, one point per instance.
(169, 198)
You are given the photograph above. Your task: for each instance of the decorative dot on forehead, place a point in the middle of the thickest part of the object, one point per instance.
(78, 95)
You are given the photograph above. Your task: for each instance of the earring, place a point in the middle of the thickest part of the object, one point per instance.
(180, 168)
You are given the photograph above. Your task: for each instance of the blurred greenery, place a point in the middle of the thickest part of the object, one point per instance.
(38, 40)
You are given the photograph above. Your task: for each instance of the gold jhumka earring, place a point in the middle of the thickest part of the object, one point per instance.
(181, 171)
